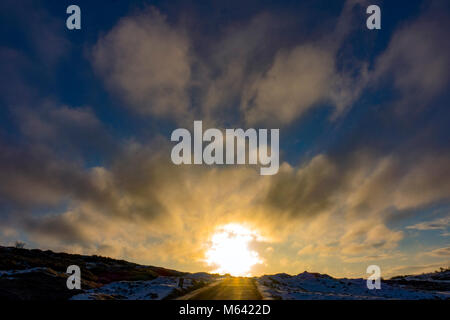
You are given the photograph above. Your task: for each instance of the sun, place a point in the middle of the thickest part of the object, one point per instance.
(229, 250)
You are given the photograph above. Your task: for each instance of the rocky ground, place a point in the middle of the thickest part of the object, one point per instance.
(36, 274)
(41, 275)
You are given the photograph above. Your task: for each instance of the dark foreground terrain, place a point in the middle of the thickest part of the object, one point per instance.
(41, 275)
(36, 274)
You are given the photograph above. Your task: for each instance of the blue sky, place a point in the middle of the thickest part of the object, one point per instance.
(86, 117)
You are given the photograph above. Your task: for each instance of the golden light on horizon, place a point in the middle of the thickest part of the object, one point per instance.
(230, 252)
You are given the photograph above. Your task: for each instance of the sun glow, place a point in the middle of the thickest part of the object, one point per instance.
(230, 252)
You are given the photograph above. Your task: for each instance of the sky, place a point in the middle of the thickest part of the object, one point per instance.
(86, 118)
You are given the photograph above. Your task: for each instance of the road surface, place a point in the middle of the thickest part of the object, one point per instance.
(229, 289)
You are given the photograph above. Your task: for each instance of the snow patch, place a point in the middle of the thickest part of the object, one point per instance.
(312, 286)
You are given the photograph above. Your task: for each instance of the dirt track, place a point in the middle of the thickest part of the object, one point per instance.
(230, 289)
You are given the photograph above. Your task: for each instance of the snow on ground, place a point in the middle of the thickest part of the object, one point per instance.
(11, 273)
(264, 290)
(318, 286)
(155, 289)
(438, 277)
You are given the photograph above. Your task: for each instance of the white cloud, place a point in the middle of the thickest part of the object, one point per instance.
(437, 224)
(297, 80)
(146, 61)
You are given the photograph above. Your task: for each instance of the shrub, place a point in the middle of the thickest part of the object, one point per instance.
(19, 245)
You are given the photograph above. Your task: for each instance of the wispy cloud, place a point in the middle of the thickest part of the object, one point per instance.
(437, 224)
(441, 252)
(415, 269)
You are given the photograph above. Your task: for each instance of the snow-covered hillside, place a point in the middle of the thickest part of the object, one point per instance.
(155, 289)
(315, 286)
(41, 275)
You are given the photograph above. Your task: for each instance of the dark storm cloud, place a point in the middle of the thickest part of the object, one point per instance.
(363, 183)
(33, 176)
(388, 160)
(33, 179)
(308, 191)
(76, 132)
(54, 227)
